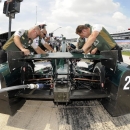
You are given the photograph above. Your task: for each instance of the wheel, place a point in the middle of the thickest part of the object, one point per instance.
(100, 70)
(26, 72)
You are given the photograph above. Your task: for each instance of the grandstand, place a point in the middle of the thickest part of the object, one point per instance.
(122, 39)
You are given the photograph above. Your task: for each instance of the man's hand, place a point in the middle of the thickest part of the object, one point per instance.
(26, 51)
(77, 51)
(94, 51)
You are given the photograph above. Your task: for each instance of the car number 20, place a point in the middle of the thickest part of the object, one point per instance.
(126, 87)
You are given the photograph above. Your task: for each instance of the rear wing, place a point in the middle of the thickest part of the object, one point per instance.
(107, 58)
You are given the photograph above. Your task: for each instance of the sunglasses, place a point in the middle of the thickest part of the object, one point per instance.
(44, 34)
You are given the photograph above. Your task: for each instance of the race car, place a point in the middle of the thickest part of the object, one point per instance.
(70, 76)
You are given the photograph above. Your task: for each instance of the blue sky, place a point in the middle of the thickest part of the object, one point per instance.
(125, 6)
(112, 14)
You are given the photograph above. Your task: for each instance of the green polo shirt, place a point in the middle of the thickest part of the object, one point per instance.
(104, 40)
(26, 42)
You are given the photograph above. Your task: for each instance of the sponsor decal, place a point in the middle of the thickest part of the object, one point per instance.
(127, 85)
(96, 42)
(23, 38)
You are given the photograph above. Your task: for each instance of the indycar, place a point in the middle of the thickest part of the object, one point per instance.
(69, 77)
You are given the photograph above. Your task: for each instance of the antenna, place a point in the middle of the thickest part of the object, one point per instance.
(56, 29)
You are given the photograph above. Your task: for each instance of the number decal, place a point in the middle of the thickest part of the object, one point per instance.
(127, 83)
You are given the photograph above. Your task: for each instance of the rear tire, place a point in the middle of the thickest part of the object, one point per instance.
(26, 72)
(100, 70)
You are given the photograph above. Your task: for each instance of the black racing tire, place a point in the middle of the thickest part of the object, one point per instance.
(26, 72)
(100, 70)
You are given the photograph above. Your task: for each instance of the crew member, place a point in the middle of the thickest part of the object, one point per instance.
(42, 41)
(22, 40)
(98, 38)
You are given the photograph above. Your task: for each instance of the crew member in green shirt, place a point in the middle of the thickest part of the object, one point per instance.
(22, 40)
(98, 38)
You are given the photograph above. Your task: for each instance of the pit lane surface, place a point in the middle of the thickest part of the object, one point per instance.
(80, 115)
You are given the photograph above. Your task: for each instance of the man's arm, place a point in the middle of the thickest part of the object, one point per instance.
(20, 46)
(39, 50)
(90, 41)
(46, 45)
